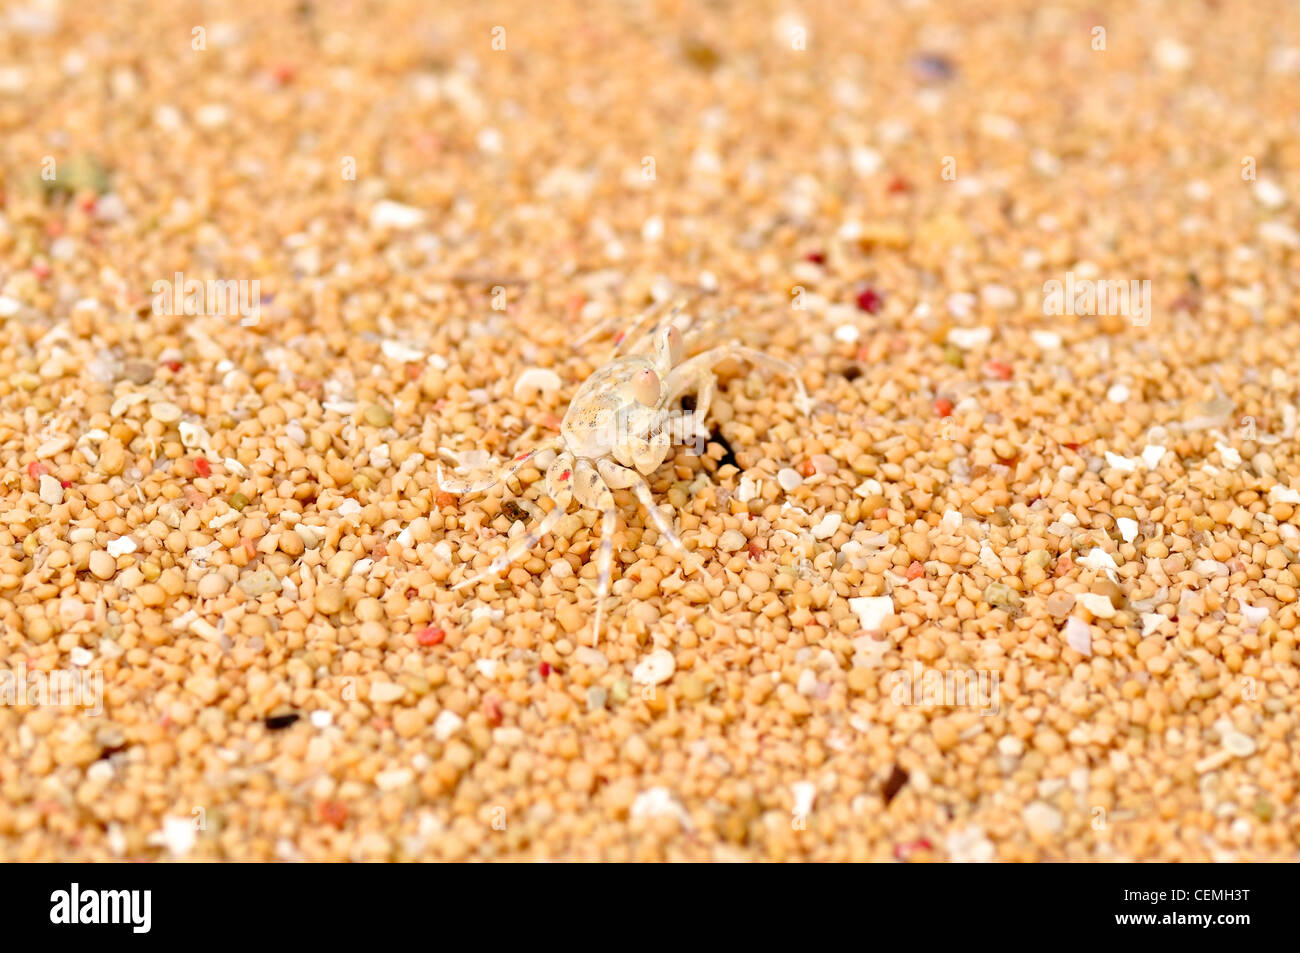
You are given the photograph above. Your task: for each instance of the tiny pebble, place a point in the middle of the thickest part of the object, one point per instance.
(102, 565)
(377, 415)
(1043, 818)
(731, 541)
(393, 779)
(165, 412)
(152, 594)
(212, 585)
(386, 692)
(1059, 604)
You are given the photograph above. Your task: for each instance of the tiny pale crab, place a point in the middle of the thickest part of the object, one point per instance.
(613, 436)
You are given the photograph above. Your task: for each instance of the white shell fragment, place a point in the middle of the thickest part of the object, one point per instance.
(447, 724)
(1239, 744)
(1253, 615)
(120, 546)
(177, 835)
(827, 527)
(656, 668)
(1122, 464)
(53, 447)
(1269, 194)
(748, 489)
(1099, 605)
(1152, 455)
(970, 338)
(659, 802)
(805, 793)
(388, 214)
(1099, 560)
(872, 611)
(401, 352)
(51, 490)
(1229, 455)
(193, 436)
(537, 378)
(1078, 635)
(788, 478)
(1283, 494)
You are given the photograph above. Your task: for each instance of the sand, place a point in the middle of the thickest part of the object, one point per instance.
(1020, 584)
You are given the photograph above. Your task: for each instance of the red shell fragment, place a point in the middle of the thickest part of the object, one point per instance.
(999, 370)
(430, 635)
(905, 850)
(869, 301)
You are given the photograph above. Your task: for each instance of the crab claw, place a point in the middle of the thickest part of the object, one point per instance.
(645, 387)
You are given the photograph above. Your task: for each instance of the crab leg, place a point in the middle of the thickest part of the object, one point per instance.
(460, 487)
(695, 334)
(604, 561)
(642, 490)
(705, 384)
(525, 543)
(635, 334)
(605, 323)
(559, 487)
(620, 478)
(592, 491)
(692, 373)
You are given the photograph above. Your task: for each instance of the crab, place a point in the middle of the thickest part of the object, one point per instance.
(613, 436)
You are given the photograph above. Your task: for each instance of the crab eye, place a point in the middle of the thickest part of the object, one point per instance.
(674, 339)
(645, 387)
